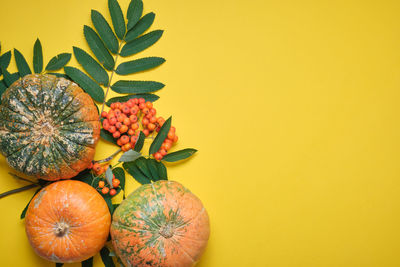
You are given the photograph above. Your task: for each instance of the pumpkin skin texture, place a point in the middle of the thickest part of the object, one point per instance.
(160, 224)
(67, 221)
(49, 127)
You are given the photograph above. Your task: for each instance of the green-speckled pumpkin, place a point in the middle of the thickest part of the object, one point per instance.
(49, 127)
(160, 224)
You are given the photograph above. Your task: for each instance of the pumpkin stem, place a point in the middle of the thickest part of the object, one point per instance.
(61, 229)
(167, 231)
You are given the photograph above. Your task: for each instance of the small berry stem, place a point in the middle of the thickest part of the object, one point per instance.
(109, 158)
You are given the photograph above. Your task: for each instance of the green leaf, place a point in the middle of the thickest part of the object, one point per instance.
(88, 262)
(60, 75)
(27, 205)
(106, 258)
(59, 264)
(9, 78)
(22, 65)
(142, 165)
(162, 134)
(162, 170)
(143, 25)
(87, 84)
(37, 57)
(107, 198)
(117, 18)
(84, 176)
(105, 32)
(130, 155)
(135, 87)
(134, 13)
(109, 176)
(120, 175)
(179, 155)
(58, 61)
(98, 48)
(138, 65)
(106, 135)
(3, 88)
(139, 142)
(5, 61)
(152, 166)
(147, 97)
(141, 43)
(91, 66)
(133, 170)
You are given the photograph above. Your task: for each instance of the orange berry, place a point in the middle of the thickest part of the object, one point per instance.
(133, 118)
(153, 119)
(104, 114)
(151, 126)
(126, 147)
(118, 105)
(131, 132)
(101, 184)
(136, 100)
(134, 111)
(168, 141)
(123, 129)
(145, 121)
(145, 111)
(149, 105)
(106, 124)
(90, 165)
(113, 192)
(149, 115)
(102, 170)
(130, 103)
(135, 126)
(141, 100)
(171, 135)
(105, 190)
(163, 152)
(112, 129)
(166, 146)
(119, 142)
(116, 134)
(124, 139)
(127, 121)
(175, 139)
(118, 125)
(112, 106)
(117, 112)
(153, 111)
(126, 109)
(112, 120)
(115, 182)
(134, 139)
(158, 156)
(142, 105)
(146, 132)
(172, 129)
(96, 167)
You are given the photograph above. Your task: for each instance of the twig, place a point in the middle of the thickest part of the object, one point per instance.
(18, 190)
(110, 157)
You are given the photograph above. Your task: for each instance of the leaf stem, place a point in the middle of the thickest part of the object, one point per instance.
(110, 157)
(24, 188)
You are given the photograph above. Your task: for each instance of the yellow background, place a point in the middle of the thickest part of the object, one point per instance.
(293, 105)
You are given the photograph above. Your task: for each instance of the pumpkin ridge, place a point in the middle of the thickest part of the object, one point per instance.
(60, 112)
(61, 116)
(62, 157)
(29, 121)
(35, 147)
(34, 163)
(57, 99)
(55, 150)
(129, 227)
(14, 93)
(6, 137)
(86, 144)
(64, 124)
(183, 249)
(13, 126)
(24, 86)
(16, 161)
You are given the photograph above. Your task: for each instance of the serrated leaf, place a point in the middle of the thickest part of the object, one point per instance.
(179, 155)
(106, 135)
(5, 61)
(117, 18)
(136, 87)
(87, 84)
(37, 57)
(98, 48)
(139, 65)
(109, 176)
(58, 61)
(27, 205)
(134, 13)
(9, 78)
(91, 66)
(162, 170)
(141, 43)
(120, 175)
(162, 134)
(143, 25)
(147, 97)
(130, 155)
(152, 166)
(22, 65)
(139, 142)
(88, 262)
(142, 165)
(106, 258)
(105, 32)
(133, 170)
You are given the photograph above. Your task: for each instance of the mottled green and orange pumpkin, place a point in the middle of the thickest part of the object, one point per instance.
(67, 221)
(160, 224)
(49, 127)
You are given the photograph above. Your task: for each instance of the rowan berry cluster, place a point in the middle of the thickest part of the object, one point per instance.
(98, 169)
(123, 122)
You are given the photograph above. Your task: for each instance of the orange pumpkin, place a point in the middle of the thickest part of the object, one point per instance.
(160, 224)
(67, 221)
(49, 127)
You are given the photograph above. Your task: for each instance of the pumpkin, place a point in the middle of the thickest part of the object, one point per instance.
(49, 127)
(160, 224)
(67, 221)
